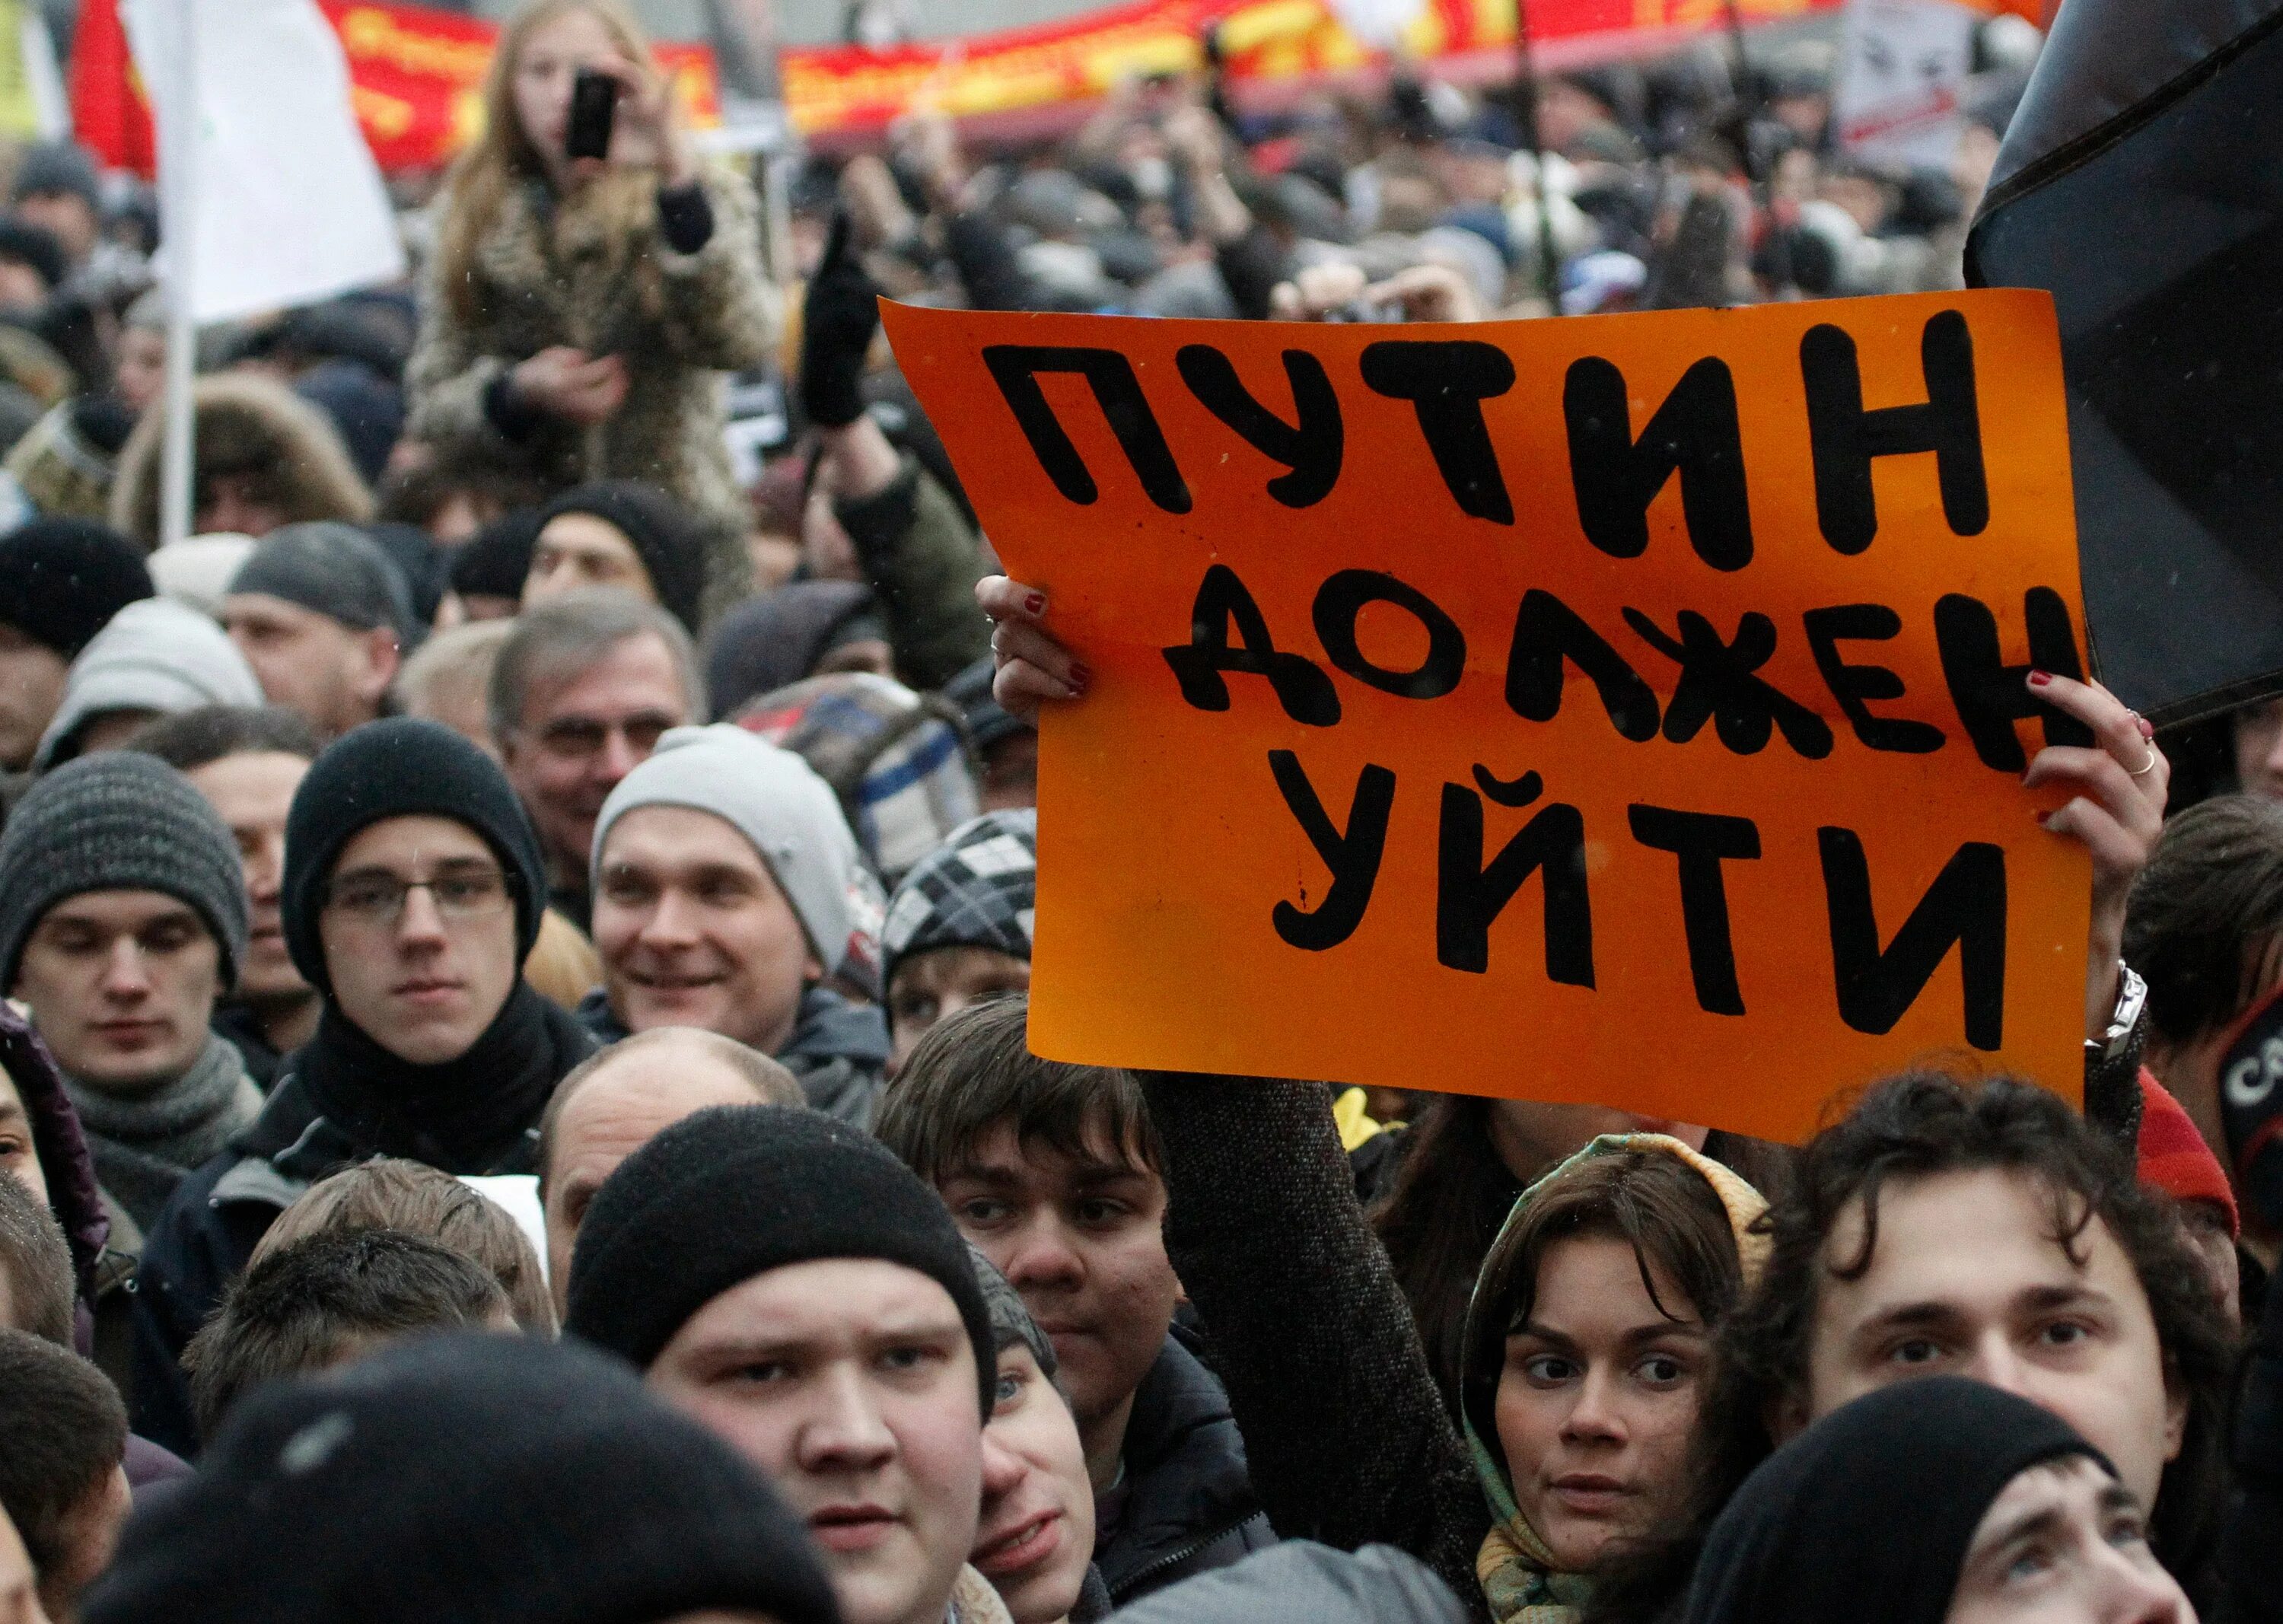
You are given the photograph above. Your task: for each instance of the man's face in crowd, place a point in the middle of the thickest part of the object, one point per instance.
(122, 985)
(2258, 730)
(253, 790)
(140, 376)
(66, 215)
(333, 674)
(577, 551)
(1037, 1534)
(1968, 1279)
(851, 1382)
(578, 739)
(615, 1113)
(240, 502)
(936, 985)
(2065, 1544)
(693, 930)
(19, 1155)
(31, 687)
(1082, 1239)
(425, 979)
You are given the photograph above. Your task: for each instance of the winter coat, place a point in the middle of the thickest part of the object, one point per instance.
(923, 558)
(1185, 1504)
(1300, 1582)
(2254, 1531)
(839, 1049)
(548, 274)
(244, 424)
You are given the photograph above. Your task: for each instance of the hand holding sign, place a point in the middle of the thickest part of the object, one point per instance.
(1634, 705)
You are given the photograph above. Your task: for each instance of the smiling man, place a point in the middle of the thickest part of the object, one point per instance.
(781, 1279)
(725, 875)
(413, 892)
(122, 917)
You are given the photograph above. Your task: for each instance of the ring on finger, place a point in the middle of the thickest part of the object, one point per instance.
(2146, 767)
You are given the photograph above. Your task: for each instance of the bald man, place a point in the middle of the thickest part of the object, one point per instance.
(617, 1101)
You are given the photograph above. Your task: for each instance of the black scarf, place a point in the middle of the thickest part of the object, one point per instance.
(473, 1114)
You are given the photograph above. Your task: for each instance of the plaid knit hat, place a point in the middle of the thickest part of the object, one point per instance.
(118, 821)
(897, 760)
(464, 1480)
(978, 889)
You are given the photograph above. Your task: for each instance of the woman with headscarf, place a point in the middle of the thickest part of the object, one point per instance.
(1936, 1502)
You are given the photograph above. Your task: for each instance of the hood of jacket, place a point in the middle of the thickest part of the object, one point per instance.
(1302, 1583)
(74, 1196)
(246, 424)
(1521, 1580)
(1186, 1483)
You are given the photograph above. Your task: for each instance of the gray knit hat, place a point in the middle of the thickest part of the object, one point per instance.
(155, 655)
(118, 821)
(774, 798)
(1010, 1320)
(333, 569)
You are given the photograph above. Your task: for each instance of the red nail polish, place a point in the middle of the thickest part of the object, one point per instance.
(1036, 603)
(2148, 728)
(2044, 818)
(2038, 679)
(1082, 675)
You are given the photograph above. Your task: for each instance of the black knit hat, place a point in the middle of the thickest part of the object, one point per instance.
(663, 532)
(736, 1190)
(64, 578)
(464, 1480)
(118, 821)
(1866, 1518)
(399, 767)
(493, 562)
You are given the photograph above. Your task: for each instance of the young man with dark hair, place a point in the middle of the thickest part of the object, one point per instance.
(1988, 1230)
(327, 1299)
(1053, 1171)
(247, 762)
(35, 1268)
(61, 1481)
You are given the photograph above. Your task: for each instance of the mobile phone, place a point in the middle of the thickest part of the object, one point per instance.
(594, 103)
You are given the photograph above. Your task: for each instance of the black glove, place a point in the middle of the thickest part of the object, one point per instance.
(838, 320)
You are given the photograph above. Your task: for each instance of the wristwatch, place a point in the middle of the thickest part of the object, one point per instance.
(2131, 992)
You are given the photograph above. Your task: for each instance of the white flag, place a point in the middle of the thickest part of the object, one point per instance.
(284, 203)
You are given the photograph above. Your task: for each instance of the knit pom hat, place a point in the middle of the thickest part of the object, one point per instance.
(2171, 1155)
(978, 889)
(663, 534)
(64, 578)
(400, 767)
(736, 1190)
(464, 1480)
(118, 821)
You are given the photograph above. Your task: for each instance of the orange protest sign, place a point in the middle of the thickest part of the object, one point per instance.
(1628, 710)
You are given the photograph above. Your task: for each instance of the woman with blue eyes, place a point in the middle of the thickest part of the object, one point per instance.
(1943, 1501)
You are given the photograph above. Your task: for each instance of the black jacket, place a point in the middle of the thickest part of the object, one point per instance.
(1345, 1429)
(2255, 1532)
(1187, 1503)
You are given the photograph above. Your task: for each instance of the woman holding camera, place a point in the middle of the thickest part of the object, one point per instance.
(591, 280)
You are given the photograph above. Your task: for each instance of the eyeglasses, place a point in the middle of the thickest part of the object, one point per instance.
(378, 898)
(586, 736)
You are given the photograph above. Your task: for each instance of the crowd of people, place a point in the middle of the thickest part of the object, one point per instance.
(514, 1088)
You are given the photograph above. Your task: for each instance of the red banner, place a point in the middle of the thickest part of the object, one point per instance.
(416, 78)
(848, 87)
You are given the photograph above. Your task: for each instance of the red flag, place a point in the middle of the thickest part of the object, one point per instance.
(110, 114)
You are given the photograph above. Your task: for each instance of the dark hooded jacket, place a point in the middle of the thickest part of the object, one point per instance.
(1185, 1504)
(102, 1328)
(839, 1049)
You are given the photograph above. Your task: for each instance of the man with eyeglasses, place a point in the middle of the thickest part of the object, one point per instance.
(413, 892)
(580, 695)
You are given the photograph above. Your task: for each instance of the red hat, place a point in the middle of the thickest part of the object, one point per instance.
(2173, 1157)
